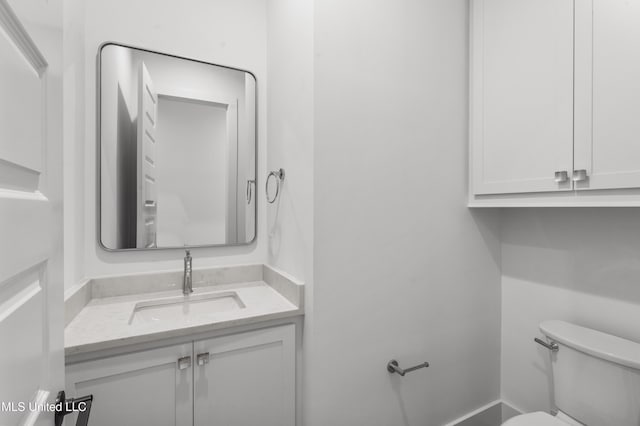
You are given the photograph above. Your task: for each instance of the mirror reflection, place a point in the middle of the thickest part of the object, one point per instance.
(177, 151)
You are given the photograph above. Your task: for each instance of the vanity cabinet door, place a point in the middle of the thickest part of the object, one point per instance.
(246, 379)
(142, 388)
(608, 93)
(521, 96)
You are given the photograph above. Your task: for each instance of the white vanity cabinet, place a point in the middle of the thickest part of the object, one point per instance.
(140, 388)
(243, 379)
(246, 379)
(555, 102)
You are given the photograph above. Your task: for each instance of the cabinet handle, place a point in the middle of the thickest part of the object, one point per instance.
(203, 358)
(184, 362)
(561, 176)
(579, 175)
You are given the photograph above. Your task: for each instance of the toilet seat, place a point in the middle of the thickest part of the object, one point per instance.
(538, 418)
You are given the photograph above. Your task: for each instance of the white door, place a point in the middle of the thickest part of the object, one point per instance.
(151, 387)
(246, 379)
(608, 93)
(31, 287)
(147, 177)
(521, 95)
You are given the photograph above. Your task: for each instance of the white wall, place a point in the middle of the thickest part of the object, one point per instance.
(290, 123)
(578, 265)
(73, 140)
(290, 106)
(402, 269)
(225, 32)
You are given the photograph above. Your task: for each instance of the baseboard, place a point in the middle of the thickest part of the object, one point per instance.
(509, 411)
(492, 414)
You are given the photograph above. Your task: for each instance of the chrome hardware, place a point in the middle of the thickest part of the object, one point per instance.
(184, 362)
(579, 175)
(202, 358)
(187, 279)
(394, 367)
(279, 175)
(562, 176)
(250, 185)
(553, 346)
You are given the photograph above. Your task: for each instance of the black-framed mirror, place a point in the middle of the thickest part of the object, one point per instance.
(177, 151)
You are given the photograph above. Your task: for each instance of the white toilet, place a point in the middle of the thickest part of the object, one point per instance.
(596, 379)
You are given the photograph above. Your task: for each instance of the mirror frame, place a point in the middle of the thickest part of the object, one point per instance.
(99, 152)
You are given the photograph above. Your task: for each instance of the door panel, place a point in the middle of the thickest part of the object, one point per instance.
(31, 318)
(143, 388)
(22, 326)
(608, 100)
(522, 95)
(147, 177)
(23, 84)
(248, 380)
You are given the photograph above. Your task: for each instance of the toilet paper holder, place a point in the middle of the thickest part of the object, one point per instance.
(394, 367)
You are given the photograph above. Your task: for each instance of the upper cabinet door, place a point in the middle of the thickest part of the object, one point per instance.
(522, 95)
(607, 145)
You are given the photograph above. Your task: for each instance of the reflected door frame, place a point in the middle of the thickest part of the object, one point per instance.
(231, 106)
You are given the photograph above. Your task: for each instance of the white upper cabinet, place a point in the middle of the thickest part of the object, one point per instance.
(555, 103)
(607, 144)
(522, 99)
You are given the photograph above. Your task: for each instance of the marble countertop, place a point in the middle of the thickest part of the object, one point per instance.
(105, 322)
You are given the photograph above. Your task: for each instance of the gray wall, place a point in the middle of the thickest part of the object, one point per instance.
(402, 269)
(580, 265)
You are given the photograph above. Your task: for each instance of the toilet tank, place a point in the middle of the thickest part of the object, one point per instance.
(596, 376)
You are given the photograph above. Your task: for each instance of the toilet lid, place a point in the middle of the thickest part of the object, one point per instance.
(538, 418)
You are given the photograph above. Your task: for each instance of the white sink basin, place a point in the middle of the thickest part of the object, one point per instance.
(185, 308)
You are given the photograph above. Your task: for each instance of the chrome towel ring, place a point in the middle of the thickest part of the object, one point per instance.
(279, 176)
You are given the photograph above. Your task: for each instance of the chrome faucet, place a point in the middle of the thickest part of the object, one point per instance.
(187, 280)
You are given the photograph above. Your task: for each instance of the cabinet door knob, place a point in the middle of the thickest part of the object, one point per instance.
(579, 175)
(184, 362)
(203, 358)
(561, 176)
